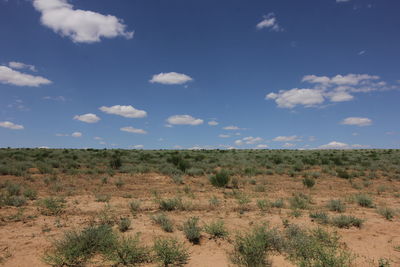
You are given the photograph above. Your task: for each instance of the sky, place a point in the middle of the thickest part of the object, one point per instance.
(189, 74)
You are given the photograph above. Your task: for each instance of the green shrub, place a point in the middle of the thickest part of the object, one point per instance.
(170, 204)
(13, 189)
(251, 249)
(386, 212)
(164, 222)
(279, 203)
(52, 206)
(220, 179)
(102, 197)
(364, 201)
(191, 230)
(124, 224)
(263, 204)
(216, 229)
(134, 207)
(336, 205)
(127, 251)
(345, 221)
(320, 217)
(214, 202)
(315, 248)
(299, 201)
(76, 248)
(177, 179)
(169, 252)
(16, 201)
(308, 182)
(30, 194)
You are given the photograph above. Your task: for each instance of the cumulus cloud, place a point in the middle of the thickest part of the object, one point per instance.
(224, 136)
(250, 140)
(287, 145)
(261, 146)
(171, 78)
(184, 120)
(213, 123)
(76, 134)
(334, 145)
(14, 77)
(20, 65)
(137, 146)
(88, 118)
(81, 26)
(358, 121)
(294, 97)
(11, 125)
(124, 111)
(338, 88)
(269, 22)
(130, 129)
(292, 138)
(231, 128)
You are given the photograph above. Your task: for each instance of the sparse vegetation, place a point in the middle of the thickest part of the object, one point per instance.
(216, 229)
(164, 222)
(191, 230)
(169, 252)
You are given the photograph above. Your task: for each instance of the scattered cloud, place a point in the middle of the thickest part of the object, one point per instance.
(130, 129)
(184, 120)
(334, 145)
(360, 146)
(358, 121)
(55, 98)
(20, 65)
(88, 118)
(76, 134)
(11, 125)
(137, 146)
(213, 123)
(14, 77)
(338, 88)
(287, 145)
(81, 26)
(60, 134)
(171, 78)
(250, 140)
(293, 138)
(269, 22)
(362, 52)
(231, 128)
(261, 146)
(124, 111)
(224, 136)
(97, 138)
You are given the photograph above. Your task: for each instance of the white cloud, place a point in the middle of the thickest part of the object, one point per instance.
(171, 78)
(269, 22)
(360, 146)
(362, 52)
(81, 26)
(60, 134)
(293, 138)
(137, 146)
(130, 129)
(250, 140)
(14, 77)
(334, 145)
(294, 97)
(184, 120)
(20, 65)
(262, 146)
(338, 88)
(213, 123)
(124, 111)
(358, 121)
(88, 118)
(76, 134)
(231, 128)
(288, 145)
(224, 136)
(55, 98)
(11, 125)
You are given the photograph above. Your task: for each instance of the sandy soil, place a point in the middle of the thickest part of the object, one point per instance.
(23, 242)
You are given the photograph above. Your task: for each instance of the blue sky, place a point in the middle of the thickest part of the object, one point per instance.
(200, 74)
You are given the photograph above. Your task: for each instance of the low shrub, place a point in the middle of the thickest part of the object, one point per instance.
(216, 229)
(220, 179)
(169, 252)
(336, 205)
(164, 222)
(52, 206)
(386, 212)
(364, 201)
(320, 217)
(124, 224)
(191, 230)
(308, 182)
(346, 221)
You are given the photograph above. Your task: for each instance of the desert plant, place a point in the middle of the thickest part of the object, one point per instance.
(220, 179)
(169, 204)
(336, 205)
(308, 182)
(279, 203)
(77, 247)
(346, 221)
(300, 201)
(169, 252)
(320, 217)
(30, 194)
(52, 206)
(191, 230)
(386, 212)
(124, 224)
(164, 222)
(263, 204)
(216, 229)
(134, 207)
(364, 201)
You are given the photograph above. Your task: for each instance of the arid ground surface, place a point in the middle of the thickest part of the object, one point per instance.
(27, 230)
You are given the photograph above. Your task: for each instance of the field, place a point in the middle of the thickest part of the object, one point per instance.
(68, 207)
